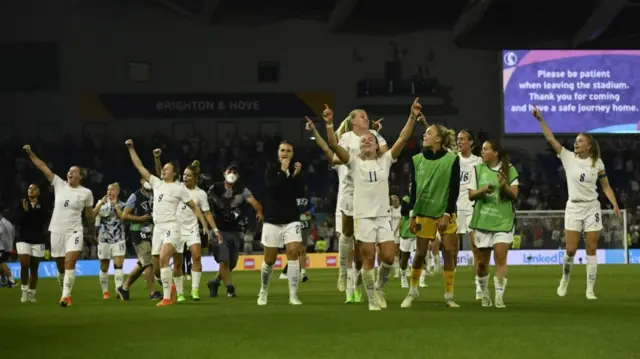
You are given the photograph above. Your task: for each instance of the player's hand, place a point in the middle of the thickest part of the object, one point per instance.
(616, 211)
(146, 217)
(422, 119)
(443, 222)
(27, 149)
(129, 143)
(413, 226)
(536, 113)
(488, 189)
(25, 205)
(157, 152)
(416, 108)
(297, 168)
(259, 216)
(310, 126)
(378, 124)
(327, 114)
(284, 165)
(212, 233)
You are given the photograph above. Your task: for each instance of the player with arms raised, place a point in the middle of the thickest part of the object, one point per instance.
(371, 210)
(168, 194)
(66, 222)
(494, 187)
(584, 169)
(468, 161)
(434, 192)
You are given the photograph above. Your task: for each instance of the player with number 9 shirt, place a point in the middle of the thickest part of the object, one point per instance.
(584, 169)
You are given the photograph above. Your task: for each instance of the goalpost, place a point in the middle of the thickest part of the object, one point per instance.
(545, 230)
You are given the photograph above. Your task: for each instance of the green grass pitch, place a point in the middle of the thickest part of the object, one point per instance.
(536, 323)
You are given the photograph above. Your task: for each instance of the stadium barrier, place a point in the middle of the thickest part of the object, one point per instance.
(330, 260)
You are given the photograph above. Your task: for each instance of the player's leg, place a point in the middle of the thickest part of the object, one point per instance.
(405, 253)
(357, 260)
(293, 246)
(345, 243)
(118, 251)
(37, 253)
(476, 253)
(368, 253)
(501, 244)
(73, 248)
(574, 223)
(187, 264)
(104, 255)
(58, 242)
(450, 245)
(483, 244)
(24, 256)
(396, 261)
(426, 232)
(592, 228)
(178, 273)
(387, 249)
(303, 259)
(195, 248)
(272, 240)
(170, 242)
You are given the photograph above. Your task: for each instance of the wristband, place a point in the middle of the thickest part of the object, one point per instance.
(411, 214)
(329, 125)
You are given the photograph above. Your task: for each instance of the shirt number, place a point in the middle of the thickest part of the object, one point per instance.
(373, 176)
(66, 203)
(160, 198)
(582, 177)
(464, 176)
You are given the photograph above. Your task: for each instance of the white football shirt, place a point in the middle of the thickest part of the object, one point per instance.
(582, 177)
(68, 206)
(351, 142)
(186, 217)
(371, 186)
(166, 198)
(466, 168)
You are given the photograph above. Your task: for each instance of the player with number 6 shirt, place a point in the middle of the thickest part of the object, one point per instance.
(584, 169)
(66, 228)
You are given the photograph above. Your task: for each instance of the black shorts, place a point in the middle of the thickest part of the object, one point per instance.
(227, 251)
(4, 256)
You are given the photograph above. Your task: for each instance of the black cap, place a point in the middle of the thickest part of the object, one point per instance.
(231, 166)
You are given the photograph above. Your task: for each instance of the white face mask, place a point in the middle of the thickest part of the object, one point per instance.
(146, 186)
(231, 177)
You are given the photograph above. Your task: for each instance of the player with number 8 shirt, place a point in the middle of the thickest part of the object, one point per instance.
(584, 169)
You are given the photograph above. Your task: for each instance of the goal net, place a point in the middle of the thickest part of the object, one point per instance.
(544, 230)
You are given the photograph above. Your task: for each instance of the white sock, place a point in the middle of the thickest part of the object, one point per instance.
(195, 280)
(351, 272)
(166, 275)
(500, 285)
(344, 245)
(368, 278)
(104, 281)
(396, 265)
(357, 279)
(567, 262)
(11, 277)
(436, 262)
(592, 271)
(179, 281)
(423, 275)
(119, 277)
(483, 284)
(69, 280)
(24, 287)
(61, 279)
(384, 271)
(293, 274)
(32, 293)
(478, 286)
(265, 275)
(303, 272)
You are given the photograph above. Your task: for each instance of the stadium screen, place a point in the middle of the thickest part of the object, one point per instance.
(576, 91)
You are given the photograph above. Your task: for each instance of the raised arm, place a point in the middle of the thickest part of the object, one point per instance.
(341, 153)
(39, 163)
(136, 161)
(548, 135)
(157, 163)
(407, 131)
(322, 143)
(99, 205)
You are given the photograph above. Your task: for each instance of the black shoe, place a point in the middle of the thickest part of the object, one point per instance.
(305, 278)
(231, 291)
(213, 286)
(122, 294)
(155, 296)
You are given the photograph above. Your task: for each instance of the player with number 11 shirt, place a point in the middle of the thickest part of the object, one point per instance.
(583, 169)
